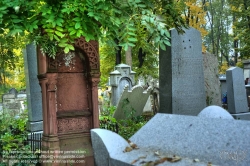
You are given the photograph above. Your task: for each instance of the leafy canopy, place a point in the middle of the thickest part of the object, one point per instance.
(55, 24)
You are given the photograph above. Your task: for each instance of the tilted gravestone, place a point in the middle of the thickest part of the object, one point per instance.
(212, 83)
(182, 89)
(131, 102)
(33, 89)
(236, 94)
(122, 76)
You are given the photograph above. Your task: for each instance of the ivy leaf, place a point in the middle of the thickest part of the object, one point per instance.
(167, 42)
(66, 50)
(91, 14)
(71, 47)
(162, 46)
(59, 34)
(167, 34)
(131, 44)
(59, 28)
(132, 39)
(72, 32)
(77, 25)
(16, 20)
(49, 30)
(77, 19)
(62, 44)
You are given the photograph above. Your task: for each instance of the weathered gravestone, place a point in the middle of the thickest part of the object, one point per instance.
(212, 83)
(131, 102)
(122, 76)
(236, 94)
(219, 141)
(33, 90)
(13, 102)
(182, 89)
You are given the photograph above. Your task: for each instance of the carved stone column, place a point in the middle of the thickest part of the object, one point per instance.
(95, 79)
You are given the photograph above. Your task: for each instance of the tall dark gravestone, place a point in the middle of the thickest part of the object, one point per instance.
(33, 89)
(182, 89)
(236, 91)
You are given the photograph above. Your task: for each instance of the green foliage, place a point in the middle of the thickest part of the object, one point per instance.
(56, 24)
(13, 130)
(11, 62)
(241, 26)
(13, 135)
(129, 125)
(240, 64)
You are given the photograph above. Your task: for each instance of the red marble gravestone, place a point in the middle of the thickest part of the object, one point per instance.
(70, 100)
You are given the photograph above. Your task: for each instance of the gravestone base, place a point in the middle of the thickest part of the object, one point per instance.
(78, 142)
(35, 126)
(242, 116)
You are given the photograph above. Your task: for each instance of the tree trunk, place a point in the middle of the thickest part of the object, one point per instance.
(128, 55)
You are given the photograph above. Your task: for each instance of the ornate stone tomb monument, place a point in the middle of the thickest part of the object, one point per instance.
(70, 99)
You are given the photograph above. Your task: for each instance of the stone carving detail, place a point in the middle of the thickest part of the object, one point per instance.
(52, 80)
(73, 124)
(53, 64)
(91, 50)
(95, 82)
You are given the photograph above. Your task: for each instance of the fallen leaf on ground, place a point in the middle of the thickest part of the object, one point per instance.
(162, 160)
(133, 145)
(172, 159)
(148, 163)
(142, 157)
(128, 149)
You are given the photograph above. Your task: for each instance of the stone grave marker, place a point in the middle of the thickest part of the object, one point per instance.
(10, 103)
(131, 102)
(182, 89)
(122, 76)
(237, 101)
(196, 140)
(246, 68)
(33, 89)
(212, 83)
(236, 94)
